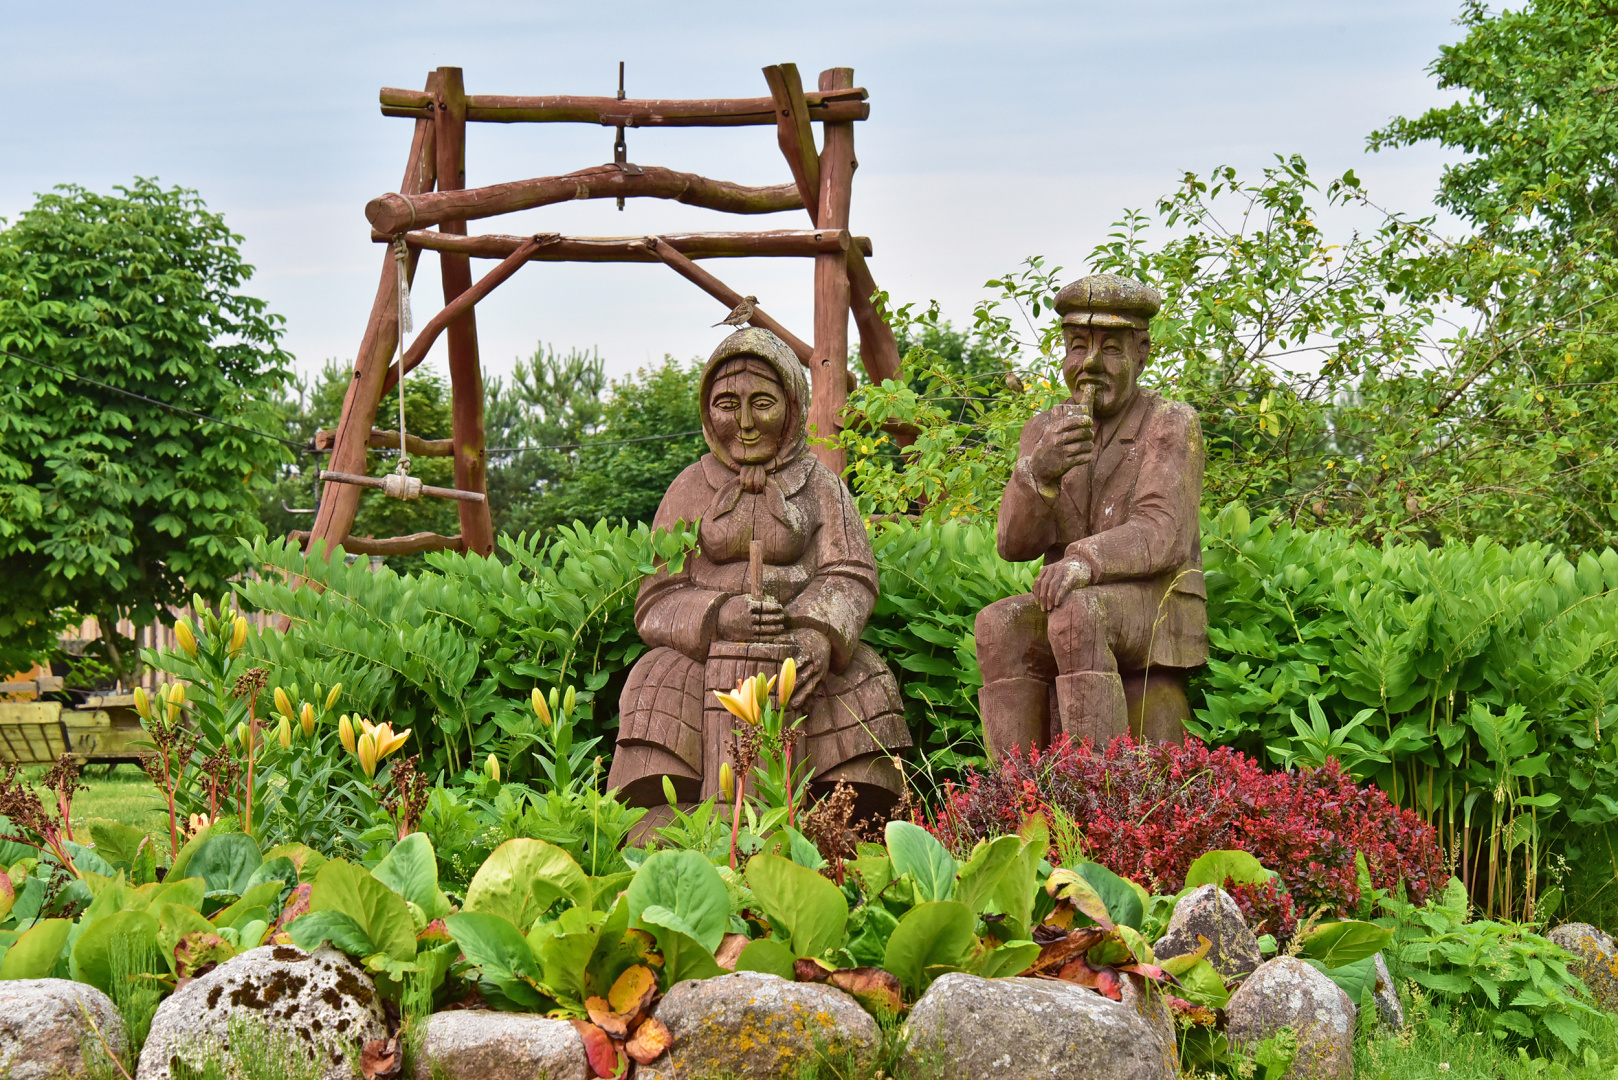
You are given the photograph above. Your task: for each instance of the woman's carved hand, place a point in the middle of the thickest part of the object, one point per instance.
(814, 658)
(742, 618)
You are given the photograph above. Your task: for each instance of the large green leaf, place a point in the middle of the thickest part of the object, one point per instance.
(305, 858)
(1125, 900)
(187, 892)
(34, 955)
(379, 911)
(411, 870)
(134, 933)
(806, 905)
(497, 948)
(684, 956)
(1335, 944)
(1007, 960)
(564, 947)
(523, 878)
(121, 845)
(1216, 867)
(312, 930)
(226, 862)
(917, 852)
(1356, 979)
(767, 956)
(931, 935)
(977, 883)
(175, 921)
(686, 885)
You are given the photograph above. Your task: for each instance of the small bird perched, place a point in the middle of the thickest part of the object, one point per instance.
(740, 313)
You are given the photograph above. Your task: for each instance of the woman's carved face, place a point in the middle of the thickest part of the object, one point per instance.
(749, 414)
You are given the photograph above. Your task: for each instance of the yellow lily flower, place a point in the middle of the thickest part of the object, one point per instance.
(789, 680)
(741, 702)
(345, 733)
(386, 741)
(365, 750)
(187, 640)
(238, 636)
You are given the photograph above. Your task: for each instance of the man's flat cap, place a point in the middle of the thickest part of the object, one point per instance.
(1107, 300)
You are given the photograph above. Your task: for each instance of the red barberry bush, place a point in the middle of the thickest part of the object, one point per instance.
(1148, 810)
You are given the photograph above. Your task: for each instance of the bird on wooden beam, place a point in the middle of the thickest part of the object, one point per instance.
(740, 313)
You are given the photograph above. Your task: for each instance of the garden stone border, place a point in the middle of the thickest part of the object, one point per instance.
(44, 1032)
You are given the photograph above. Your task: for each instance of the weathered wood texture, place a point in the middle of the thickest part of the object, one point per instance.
(382, 439)
(796, 137)
(843, 105)
(396, 212)
(453, 310)
(465, 375)
(340, 502)
(380, 484)
(554, 247)
(829, 369)
(393, 545)
(724, 294)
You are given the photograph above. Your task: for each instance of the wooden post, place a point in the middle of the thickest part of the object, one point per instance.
(793, 132)
(465, 377)
(340, 502)
(828, 372)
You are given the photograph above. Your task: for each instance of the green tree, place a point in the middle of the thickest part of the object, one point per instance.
(109, 505)
(552, 400)
(1539, 120)
(615, 478)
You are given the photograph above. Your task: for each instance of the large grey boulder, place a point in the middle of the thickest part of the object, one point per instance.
(1288, 993)
(44, 1032)
(969, 1028)
(1388, 1008)
(467, 1044)
(1597, 960)
(1211, 912)
(316, 1005)
(753, 1026)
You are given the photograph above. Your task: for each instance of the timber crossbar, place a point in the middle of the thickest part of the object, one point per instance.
(431, 208)
(835, 106)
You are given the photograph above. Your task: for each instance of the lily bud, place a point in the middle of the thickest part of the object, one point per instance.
(345, 733)
(283, 703)
(238, 636)
(365, 750)
(198, 604)
(727, 782)
(187, 640)
(306, 717)
(492, 767)
(244, 736)
(177, 693)
(761, 692)
(143, 704)
(283, 733)
(569, 699)
(331, 698)
(541, 710)
(668, 791)
(789, 680)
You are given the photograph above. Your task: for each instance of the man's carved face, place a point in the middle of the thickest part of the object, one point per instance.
(1110, 358)
(749, 413)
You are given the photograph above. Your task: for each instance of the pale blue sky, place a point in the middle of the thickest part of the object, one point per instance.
(996, 131)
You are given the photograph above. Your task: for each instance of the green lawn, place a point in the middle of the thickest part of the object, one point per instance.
(122, 793)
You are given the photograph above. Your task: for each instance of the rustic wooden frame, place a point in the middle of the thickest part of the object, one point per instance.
(434, 193)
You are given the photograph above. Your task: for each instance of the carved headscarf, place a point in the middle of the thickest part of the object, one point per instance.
(725, 533)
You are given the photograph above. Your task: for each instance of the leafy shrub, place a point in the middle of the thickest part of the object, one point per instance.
(1147, 811)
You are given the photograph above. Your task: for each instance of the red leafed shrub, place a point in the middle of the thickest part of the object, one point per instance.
(1148, 810)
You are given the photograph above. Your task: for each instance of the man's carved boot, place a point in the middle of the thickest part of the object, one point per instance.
(1091, 705)
(1016, 712)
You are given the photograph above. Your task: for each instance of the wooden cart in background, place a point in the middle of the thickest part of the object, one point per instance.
(102, 730)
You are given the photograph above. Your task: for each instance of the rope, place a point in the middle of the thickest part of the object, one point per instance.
(401, 260)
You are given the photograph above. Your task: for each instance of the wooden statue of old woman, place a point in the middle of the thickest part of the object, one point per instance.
(708, 625)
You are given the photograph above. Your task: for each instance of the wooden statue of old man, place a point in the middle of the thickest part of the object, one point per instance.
(707, 626)
(1105, 490)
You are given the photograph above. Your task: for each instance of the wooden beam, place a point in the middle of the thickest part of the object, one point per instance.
(795, 136)
(382, 439)
(828, 372)
(465, 376)
(878, 349)
(711, 245)
(844, 105)
(393, 545)
(461, 306)
(724, 294)
(339, 502)
(394, 212)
